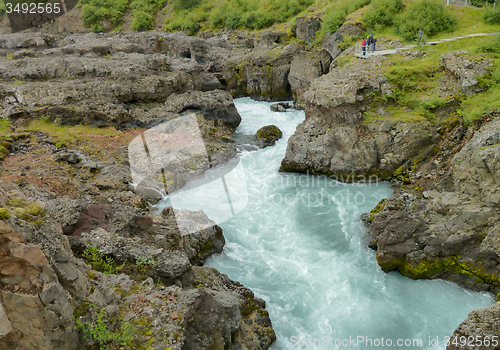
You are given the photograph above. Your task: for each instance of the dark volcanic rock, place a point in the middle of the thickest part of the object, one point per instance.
(483, 325)
(280, 107)
(213, 105)
(453, 233)
(268, 135)
(334, 140)
(306, 28)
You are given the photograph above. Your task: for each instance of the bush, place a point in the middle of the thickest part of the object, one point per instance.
(93, 11)
(259, 19)
(148, 6)
(491, 15)
(491, 46)
(481, 3)
(186, 22)
(382, 12)
(255, 14)
(142, 21)
(101, 334)
(335, 15)
(180, 5)
(99, 261)
(430, 16)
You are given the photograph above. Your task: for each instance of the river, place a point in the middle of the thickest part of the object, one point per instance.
(299, 245)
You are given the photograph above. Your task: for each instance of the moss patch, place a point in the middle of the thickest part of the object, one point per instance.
(4, 214)
(270, 132)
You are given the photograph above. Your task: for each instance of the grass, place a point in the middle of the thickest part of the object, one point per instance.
(470, 21)
(4, 127)
(395, 114)
(69, 135)
(418, 85)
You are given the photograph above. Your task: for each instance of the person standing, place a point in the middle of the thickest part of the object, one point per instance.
(363, 46)
(420, 33)
(371, 43)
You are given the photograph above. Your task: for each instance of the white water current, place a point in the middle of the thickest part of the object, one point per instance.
(299, 245)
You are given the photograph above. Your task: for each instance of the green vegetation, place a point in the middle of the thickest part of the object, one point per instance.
(142, 21)
(2, 7)
(382, 13)
(419, 89)
(193, 15)
(429, 15)
(95, 11)
(99, 330)
(491, 15)
(68, 135)
(4, 214)
(336, 14)
(145, 263)
(481, 3)
(100, 262)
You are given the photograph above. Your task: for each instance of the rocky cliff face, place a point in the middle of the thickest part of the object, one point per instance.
(335, 140)
(448, 231)
(84, 260)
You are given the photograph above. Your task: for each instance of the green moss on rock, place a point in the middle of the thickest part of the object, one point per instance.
(269, 133)
(34, 209)
(81, 310)
(15, 202)
(4, 214)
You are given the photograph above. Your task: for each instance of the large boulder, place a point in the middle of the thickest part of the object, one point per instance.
(213, 105)
(268, 135)
(466, 71)
(304, 69)
(331, 43)
(451, 230)
(306, 28)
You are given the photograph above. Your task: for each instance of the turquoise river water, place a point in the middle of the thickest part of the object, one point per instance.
(299, 245)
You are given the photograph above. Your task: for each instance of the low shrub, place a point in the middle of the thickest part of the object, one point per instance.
(430, 16)
(382, 13)
(100, 332)
(335, 15)
(491, 46)
(142, 21)
(186, 21)
(94, 11)
(491, 15)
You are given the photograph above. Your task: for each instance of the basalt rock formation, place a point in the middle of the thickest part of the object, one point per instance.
(81, 247)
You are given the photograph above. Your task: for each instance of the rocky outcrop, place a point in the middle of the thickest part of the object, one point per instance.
(480, 324)
(131, 288)
(306, 67)
(331, 43)
(466, 71)
(306, 28)
(213, 105)
(334, 139)
(268, 135)
(450, 229)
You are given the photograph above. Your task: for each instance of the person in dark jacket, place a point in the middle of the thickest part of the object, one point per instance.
(371, 43)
